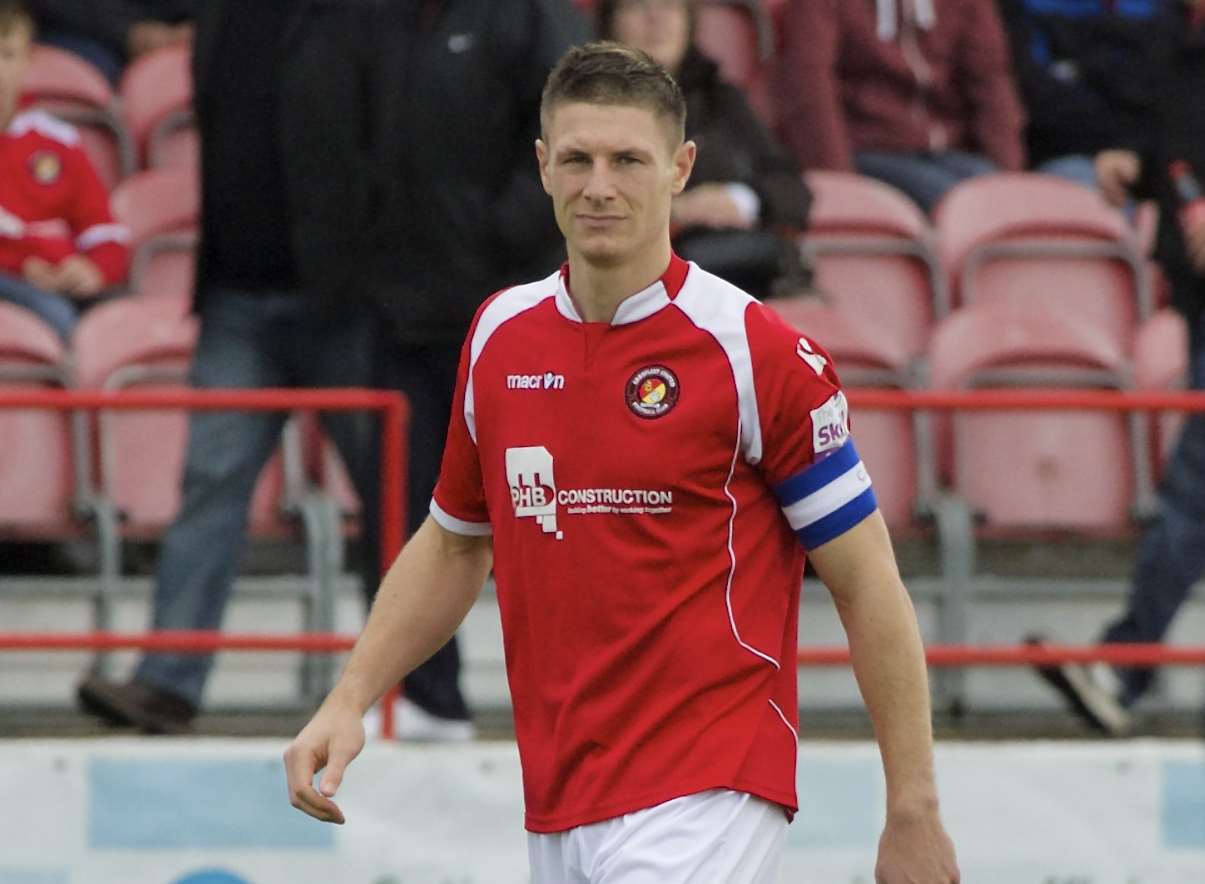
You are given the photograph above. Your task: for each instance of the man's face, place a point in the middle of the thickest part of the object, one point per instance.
(15, 46)
(612, 171)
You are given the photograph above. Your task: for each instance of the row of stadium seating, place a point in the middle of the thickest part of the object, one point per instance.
(146, 123)
(1026, 239)
(1039, 470)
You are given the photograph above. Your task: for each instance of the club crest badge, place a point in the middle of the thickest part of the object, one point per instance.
(46, 167)
(652, 392)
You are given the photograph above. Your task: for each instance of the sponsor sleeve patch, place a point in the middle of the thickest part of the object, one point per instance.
(830, 424)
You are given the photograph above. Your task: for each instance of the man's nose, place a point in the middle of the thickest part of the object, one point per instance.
(600, 184)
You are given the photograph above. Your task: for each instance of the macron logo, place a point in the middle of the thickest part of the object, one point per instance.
(546, 381)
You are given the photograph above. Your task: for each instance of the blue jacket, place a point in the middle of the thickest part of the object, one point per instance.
(1081, 69)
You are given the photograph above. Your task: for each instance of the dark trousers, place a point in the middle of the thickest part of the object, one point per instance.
(1171, 553)
(282, 339)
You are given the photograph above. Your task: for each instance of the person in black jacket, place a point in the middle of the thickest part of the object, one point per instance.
(746, 202)
(110, 33)
(368, 178)
(1083, 74)
(1163, 158)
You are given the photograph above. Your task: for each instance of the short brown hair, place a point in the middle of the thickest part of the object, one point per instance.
(15, 14)
(605, 72)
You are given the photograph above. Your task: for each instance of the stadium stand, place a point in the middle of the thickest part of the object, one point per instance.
(156, 104)
(869, 355)
(73, 90)
(874, 254)
(1027, 239)
(38, 490)
(144, 342)
(160, 207)
(739, 36)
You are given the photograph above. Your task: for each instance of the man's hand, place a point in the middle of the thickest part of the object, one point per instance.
(146, 36)
(708, 205)
(79, 277)
(915, 849)
(332, 739)
(1116, 172)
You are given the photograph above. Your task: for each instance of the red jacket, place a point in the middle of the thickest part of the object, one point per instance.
(52, 205)
(843, 88)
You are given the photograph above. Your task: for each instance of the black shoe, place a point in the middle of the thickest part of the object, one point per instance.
(1087, 690)
(150, 709)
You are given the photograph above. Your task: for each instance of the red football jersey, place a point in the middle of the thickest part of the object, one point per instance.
(52, 204)
(651, 485)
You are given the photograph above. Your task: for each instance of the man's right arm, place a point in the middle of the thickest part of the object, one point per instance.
(423, 599)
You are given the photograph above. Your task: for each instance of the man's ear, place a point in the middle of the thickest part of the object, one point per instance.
(542, 157)
(684, 163)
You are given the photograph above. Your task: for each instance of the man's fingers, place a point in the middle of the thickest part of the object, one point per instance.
(309, 801)
(300, 767)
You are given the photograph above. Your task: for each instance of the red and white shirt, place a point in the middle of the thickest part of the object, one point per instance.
(52, 204)
(651, 485)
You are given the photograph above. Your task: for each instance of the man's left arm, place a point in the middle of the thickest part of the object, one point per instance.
(859, 569)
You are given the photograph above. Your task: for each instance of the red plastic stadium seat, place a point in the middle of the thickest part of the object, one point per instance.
(143, 342)
(874, 254)
(73, 90)
(156, 97)
(1161, 363)
(37, 473)
(1036, 240)
(738, 35)
(161, 208)
(867, 354)
(1044, 470)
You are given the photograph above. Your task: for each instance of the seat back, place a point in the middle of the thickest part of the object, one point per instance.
(866, 354)
(73, 90)
(147, 343)
(1031, 239)
(156, 90)
(1037, 470)
(37, 474)
(873, 253)
(161, 208)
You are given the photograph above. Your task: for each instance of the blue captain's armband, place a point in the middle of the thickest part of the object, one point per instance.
(828, 498)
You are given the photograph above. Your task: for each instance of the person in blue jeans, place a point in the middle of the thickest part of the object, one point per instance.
(342, 246)
(1167, 164)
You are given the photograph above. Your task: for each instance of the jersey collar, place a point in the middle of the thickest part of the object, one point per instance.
(639, 306)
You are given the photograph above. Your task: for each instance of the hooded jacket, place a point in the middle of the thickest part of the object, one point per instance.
(862, 75)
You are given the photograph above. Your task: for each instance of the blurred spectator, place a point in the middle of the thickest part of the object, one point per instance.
(1082, 70)
(59, 246)
(1168, 167)
(917, 93)
(368, 178)
(111, 33)
(746, 199)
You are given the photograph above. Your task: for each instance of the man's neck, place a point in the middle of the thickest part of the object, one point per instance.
(598, 290)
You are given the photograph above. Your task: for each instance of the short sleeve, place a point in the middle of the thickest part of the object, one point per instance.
(808, 455)
(458, 503)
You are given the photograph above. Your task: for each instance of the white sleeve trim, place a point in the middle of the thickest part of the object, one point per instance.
(459, 526)
(98, 234)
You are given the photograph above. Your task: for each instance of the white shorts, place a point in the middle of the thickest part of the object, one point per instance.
(713, 837)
